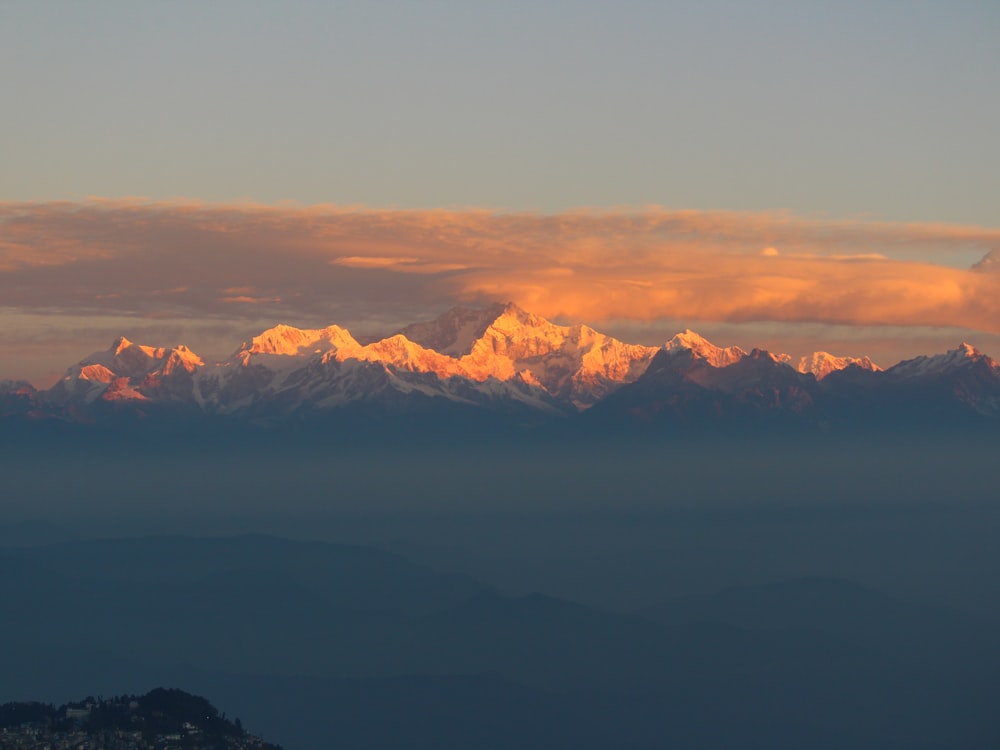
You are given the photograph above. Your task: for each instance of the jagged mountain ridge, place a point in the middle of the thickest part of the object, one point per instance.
(129, 372)
(959, 387)
(500, 358)
(510, 356)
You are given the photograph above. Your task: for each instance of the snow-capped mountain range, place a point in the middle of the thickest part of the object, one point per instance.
(500, 358)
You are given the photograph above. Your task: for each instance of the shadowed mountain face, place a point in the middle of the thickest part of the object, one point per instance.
(681, 390)
(504, 363)
(317, 643)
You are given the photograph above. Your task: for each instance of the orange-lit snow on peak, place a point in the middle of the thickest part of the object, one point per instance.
(502, 342)
(404, 354)
(455, 332)
(96, 373)
(498, 355)
(716, 356)
(574, 362)
(184, 358)
(505, 343)
(120, 344)
(821, 364)
(290, 341)
(776, 357)
(129, 371)
(130, 359)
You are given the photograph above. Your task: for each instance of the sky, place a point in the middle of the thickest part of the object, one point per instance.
(798, 176)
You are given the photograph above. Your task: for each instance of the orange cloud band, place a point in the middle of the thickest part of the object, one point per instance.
(332, 263)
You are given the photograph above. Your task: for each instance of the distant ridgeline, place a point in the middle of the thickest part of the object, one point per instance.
(503, 366)
(161, 718)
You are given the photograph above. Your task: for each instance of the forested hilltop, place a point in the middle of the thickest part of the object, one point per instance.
(159, 719)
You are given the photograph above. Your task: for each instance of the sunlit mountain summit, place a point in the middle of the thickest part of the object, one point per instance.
(503, 360)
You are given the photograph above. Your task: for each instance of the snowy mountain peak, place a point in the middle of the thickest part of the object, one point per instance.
(454, 332)
(129, 372)
(128, 359)
(505, 342)
(513, 314)
(702, 348)
(119, 344)
(404, 354)
(95, 374)
(286, 340)
(964, 356)
(521, 334)
(961, 354)
(821, 364)
(572, 362)
(687, 339)
(763, 354)
(182, 357)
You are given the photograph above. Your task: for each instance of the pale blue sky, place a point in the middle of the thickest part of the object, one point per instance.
(889, 110)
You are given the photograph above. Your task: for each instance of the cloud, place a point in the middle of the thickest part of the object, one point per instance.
(372, 261)
(327, 264)
(246, 299)
(402, 264)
